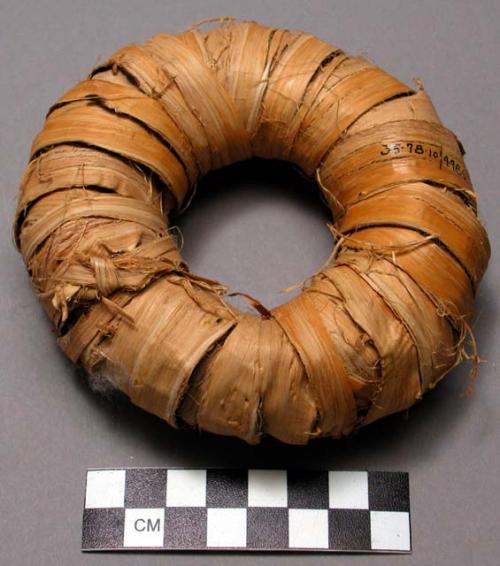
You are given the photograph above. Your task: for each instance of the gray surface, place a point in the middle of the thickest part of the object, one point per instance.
(53, 427)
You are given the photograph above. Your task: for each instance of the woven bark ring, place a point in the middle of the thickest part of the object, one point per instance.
(382, 322)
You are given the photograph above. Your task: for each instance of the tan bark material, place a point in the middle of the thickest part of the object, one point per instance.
(383, 321)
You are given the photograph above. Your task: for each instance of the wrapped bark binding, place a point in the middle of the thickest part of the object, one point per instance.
(383, 321)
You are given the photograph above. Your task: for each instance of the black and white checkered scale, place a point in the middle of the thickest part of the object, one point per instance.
(266, 510)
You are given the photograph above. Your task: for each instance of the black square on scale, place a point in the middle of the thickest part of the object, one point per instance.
(349, 529)
(388, 491)
(267, 528)
(307, 489)
(145, 487)
(227, 488)
(185, 527)
(103, 528)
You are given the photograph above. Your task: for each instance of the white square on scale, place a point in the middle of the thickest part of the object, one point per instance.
(186, 488)
(348, 490)
(308, 528)
(143, 528)
(267, 488)
(105, 488)
(390, 530)
(227, 527)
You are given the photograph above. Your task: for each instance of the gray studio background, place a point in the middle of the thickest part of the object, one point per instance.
(258, 229)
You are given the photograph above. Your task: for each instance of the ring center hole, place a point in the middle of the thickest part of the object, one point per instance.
(257, 227)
